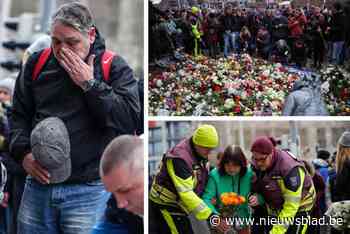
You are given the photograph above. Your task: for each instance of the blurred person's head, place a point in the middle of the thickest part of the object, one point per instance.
(205, 138)
(323, 154)
(7, 87)
(122, 172)
(72, 27)
(268, 12)
(337, 6)
(233, 162)
(228, 10)
(317, 11)
(262, 150)
(299, 12)
(42, 42)
(343, 151)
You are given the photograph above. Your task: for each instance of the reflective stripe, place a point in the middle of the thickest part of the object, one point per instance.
(304, 229)
(199, 208)
(291, 198)
(169, 221)
(189, 201)
(308, 201)
(183, 189)
(285, 225)
(160, 199)
(164, 191)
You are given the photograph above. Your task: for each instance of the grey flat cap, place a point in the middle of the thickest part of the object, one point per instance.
(344, 140)
(51, 148)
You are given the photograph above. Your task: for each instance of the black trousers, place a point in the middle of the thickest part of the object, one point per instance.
(297, 229)
(162, 224)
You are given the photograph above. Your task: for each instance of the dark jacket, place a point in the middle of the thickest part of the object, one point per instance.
(231, 23)
(121, 216)
(337, 25)
(283, 166)
(93, 118)
(280, 28)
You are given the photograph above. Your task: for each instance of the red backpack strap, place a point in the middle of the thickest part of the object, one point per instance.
(41, 62)
(106, 62)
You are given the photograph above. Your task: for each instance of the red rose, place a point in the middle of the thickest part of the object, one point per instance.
(216, 88)
(237, 109)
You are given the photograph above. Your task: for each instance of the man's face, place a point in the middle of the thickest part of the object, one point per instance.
(127, 188)
(5, 95)
(262, 161)
(64, 36)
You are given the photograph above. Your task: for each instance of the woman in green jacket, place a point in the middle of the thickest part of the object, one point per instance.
(232, 175)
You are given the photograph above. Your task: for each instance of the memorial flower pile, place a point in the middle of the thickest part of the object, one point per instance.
(336, 90)
(237, 86)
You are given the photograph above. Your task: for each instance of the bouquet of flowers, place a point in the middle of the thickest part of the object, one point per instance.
(230, 203)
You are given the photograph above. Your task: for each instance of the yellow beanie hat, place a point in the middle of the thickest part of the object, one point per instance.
(195, 10)
(206, 136)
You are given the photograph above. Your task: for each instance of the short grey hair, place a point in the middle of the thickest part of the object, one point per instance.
(123, 150)
(75, 15)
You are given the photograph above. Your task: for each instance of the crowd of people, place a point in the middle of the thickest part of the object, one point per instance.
(288, 35)
(273, 184)
(61, 147)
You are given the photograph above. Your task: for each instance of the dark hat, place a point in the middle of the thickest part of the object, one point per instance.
(344, 140)
(323, 154)
(51, 148)
(262, 145)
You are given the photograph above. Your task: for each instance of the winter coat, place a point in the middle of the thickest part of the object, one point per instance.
(337, 26)
(219, 184)
(231, 23)
(280, 28)
(303, 102)
(93, 118)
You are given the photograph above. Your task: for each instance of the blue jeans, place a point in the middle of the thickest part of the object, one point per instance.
(106, 227)
(230, 41)
(54, 209)
(337, 49)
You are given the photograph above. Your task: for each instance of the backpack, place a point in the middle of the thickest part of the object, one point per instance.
(106, 63)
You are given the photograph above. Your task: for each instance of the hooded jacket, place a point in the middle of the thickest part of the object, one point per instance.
(93, 118)
(303, 101)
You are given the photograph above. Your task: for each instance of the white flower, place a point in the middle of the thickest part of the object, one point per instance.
(230, 91)
(229, 103)
(325, 87)
(159, 83)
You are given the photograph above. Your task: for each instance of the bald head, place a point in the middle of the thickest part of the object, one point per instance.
(121, 172)
(124, 150)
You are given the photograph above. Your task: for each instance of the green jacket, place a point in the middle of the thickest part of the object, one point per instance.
(218, 184)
